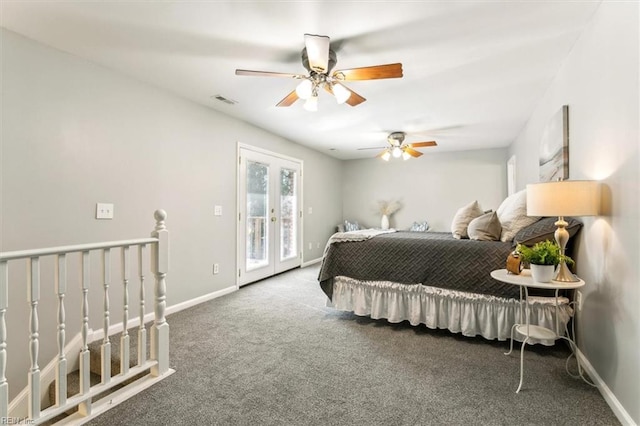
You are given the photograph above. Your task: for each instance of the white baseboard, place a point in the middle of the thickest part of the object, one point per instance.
(198, 300)
(311, 262)
(133, 322)
(608, 396)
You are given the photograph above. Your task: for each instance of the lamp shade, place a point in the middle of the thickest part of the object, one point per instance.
(563, 198)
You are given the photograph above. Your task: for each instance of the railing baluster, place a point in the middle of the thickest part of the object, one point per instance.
(85, 407)
(4, 304)
(33, 296)
(159, 332)
(142, 331)
(159, 267)
(124, 339)
(105, 370)
(61, 366)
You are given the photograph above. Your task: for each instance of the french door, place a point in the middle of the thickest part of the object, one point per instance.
(269, 214)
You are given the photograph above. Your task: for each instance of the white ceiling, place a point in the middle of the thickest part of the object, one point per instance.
(473, 71)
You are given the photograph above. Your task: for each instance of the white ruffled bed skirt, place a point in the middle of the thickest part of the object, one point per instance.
(460, 312)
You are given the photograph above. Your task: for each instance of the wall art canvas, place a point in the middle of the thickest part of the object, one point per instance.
(554, 147)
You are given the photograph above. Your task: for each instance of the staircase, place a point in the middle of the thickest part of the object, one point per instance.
(95, 373)
(109, 370)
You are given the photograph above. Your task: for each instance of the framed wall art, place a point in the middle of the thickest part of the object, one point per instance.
(554, 147)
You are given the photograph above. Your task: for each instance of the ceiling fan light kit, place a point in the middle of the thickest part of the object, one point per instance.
(319, 60)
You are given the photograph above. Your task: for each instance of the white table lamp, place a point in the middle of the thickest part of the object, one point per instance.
(563, 198)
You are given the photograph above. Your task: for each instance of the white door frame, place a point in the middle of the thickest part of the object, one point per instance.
(240, 257)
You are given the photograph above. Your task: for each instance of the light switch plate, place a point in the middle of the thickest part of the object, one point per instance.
(217, 211)
(104, 211)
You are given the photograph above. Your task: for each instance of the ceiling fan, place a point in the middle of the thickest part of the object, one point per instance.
(319, 60)
(397, 148)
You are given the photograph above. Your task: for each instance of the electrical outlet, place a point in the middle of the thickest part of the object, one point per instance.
(104, 211)
(310, 210)
(310, 246)
(216, 268)
(579, 299)
(217, 210)
(318, 245)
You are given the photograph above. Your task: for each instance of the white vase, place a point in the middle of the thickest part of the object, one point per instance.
(384, 223)
(542, 273)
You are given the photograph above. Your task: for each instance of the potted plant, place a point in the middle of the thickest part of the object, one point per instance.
(543, 257)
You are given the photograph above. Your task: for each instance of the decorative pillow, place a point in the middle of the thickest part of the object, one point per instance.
(485, 228)
(420, 226)
(351, 226)
(512, 214)
(543, 230)
(463, 216)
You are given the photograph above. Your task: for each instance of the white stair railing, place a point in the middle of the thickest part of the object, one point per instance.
(158, 364)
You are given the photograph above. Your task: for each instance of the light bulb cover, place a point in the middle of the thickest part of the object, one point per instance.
(311, 104)
(396, 152)
(304, 90)
(386, 155)
(405, 155)
(341, 93)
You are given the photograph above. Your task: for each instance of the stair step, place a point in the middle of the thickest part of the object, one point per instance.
(95, 367)
(95, 350)
(73, 388)
(73, 384)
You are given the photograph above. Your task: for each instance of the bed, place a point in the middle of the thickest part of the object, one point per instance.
(435, 279)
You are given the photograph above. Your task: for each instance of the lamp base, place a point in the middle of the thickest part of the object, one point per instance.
(564, 275)
(562, 237)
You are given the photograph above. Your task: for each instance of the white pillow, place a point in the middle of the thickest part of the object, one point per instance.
(463, 216)
(512, 214)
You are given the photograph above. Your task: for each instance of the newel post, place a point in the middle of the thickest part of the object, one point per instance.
(159, 267)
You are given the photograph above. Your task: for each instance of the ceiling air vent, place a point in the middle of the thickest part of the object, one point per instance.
(223, 99)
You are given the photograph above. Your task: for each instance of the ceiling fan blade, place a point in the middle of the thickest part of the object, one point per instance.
(412, 152)
(288, 100)
(370, 73)
(317, 52)
(353, 100)
(421, 144)
(384, 151)
(268, 74)
(373, 147)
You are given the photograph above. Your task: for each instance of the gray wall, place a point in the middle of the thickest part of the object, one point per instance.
(599, 82)
(432, 187)
(74, 133)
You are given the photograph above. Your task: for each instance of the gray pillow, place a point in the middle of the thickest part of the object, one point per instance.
(485, 228)
(543, 230)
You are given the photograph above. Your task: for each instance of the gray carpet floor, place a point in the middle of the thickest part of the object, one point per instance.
(273, 354)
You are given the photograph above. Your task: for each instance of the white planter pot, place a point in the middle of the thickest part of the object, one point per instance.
(384, 223)
(542, 273)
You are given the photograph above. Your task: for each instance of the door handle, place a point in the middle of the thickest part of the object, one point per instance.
(273, 219)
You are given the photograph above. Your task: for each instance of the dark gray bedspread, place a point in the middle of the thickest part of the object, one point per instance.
(430, 258)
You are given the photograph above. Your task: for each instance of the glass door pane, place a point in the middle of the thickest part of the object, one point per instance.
(257, 222)
(288, 216)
